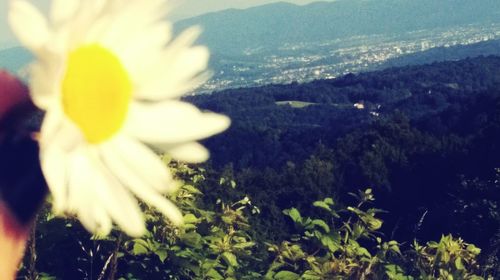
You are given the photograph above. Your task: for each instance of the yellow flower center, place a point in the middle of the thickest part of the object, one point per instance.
(96, 92)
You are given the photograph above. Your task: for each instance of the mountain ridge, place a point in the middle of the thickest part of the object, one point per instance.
(232, 31)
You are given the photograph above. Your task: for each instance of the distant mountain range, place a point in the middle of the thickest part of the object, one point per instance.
(281, 42)
(232, 32)
(453, 53)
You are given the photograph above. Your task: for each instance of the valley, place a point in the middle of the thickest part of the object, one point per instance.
(307, 61)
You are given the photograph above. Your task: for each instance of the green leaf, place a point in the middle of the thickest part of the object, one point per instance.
(45, 276)
(191, 189)
(394, 247)
(140, 248)
(228, 219)
(475, 277)
(323, 205)
(473, 249)
(294, 214)
(222, 181)
(395, 272)
(209, 264)
(162, 254)
(330, 243)
(244, 245)
(192, 239)
(458, 264)
(286, 275)
(190, 219)
(310, 275)
(189, 227)
(321, 224)
(213, 274)
(361, 251)
(230, 258)
(374, 224)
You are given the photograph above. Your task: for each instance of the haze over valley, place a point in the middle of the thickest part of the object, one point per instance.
(302, 62)
(282, 42)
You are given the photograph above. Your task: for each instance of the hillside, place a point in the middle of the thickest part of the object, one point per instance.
(234, 31)
(425, 139)
(261, 113)
(458, 52)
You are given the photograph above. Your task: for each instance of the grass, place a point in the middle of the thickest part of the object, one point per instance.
(295, 104)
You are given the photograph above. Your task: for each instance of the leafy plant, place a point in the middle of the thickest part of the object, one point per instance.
(347, 245)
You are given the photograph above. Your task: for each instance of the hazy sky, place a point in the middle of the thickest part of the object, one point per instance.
(185, 8)
(189, 8)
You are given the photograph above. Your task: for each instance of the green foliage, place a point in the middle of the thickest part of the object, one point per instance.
(450, 258)
(331, 248)
(348, 246)
(342, 243)
(425, 130)
(210, 245)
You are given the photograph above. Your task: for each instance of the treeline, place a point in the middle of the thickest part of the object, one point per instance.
(265, 133)
(426, 141)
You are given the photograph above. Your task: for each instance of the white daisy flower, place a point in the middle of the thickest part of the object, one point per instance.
(109, 77)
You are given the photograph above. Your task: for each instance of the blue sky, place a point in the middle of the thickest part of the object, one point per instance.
(185, 8)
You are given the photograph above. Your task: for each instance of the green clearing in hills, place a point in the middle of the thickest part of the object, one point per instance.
(295, 104)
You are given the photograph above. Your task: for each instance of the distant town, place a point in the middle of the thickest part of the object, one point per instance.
(329, 59)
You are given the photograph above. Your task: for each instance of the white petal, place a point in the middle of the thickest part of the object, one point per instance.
(108, 193)
(172, 122)
(140, 161)
(186, 38)
(165, 206)
(60, 132)
(89, 12)
(188, 63)
(58, 140)
(143, 51)
(83, 199)
(96, 224)
(140, 187)
(122, 30)
(188, 86)
(190, 152)
(29, 25)
(51, 125)
(171, 76)
(174, 73)
(96, 30)
(63, 10)
(44, 86)
(103, 221)
(138, 42)
(40, 86)
(54, 162)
